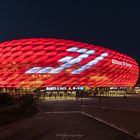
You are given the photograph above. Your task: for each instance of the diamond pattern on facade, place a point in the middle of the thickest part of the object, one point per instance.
(46, 62)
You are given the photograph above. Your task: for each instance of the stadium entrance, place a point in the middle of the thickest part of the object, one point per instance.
(59, 93)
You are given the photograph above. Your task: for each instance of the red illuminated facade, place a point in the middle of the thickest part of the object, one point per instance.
(56, 62)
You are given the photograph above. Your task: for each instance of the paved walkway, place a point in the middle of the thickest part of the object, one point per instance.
(123, 113)
(115, 102)
(60, 120)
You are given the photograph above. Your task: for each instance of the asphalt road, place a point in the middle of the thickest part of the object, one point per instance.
(60, 120)
(115, 102)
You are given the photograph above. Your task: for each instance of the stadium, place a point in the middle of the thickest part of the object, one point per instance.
(53, 64)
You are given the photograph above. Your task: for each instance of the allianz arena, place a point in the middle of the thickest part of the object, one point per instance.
(43, 62)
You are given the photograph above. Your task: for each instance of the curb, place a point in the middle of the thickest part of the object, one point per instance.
(121, 129)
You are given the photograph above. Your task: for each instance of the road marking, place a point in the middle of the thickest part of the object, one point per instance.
(63, 112)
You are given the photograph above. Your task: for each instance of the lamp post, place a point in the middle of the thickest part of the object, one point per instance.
(99, 96)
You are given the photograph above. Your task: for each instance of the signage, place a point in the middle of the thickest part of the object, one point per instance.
(122, 63)
(56, 88)
(65, 88)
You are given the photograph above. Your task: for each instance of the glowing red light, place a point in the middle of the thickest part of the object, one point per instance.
(57, 62)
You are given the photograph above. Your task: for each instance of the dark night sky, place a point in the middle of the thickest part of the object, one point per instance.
(114, 25)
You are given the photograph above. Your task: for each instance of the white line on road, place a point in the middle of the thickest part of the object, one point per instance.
(63, 112)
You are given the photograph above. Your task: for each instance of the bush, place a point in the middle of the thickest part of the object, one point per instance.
(13, 109)
(6, 99)
(28, 103)
(12, 113)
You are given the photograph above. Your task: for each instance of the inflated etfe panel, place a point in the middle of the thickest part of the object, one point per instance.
(47, 62)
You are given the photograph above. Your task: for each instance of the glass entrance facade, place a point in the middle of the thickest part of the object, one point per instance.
(58, 95)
